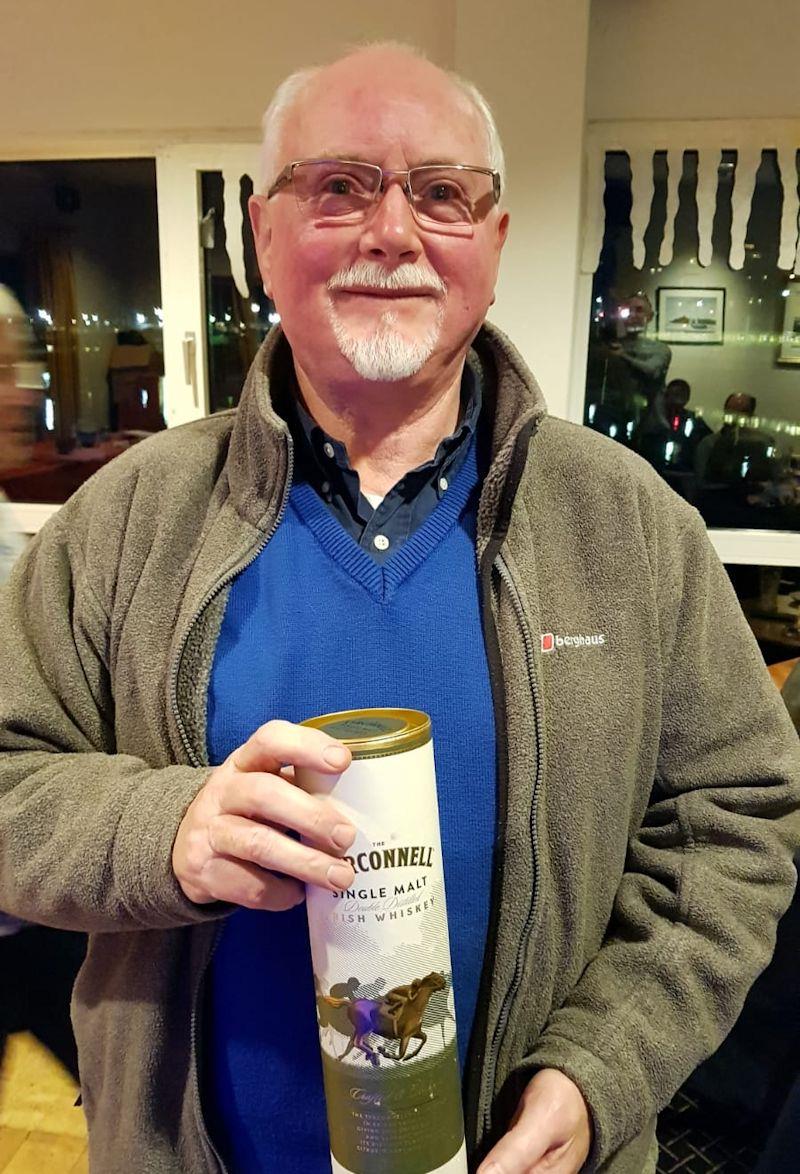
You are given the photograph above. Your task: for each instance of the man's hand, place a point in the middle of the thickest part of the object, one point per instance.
(232, 843)
(551, 1130)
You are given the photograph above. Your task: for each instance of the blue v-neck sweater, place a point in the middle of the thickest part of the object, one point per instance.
(315, 625)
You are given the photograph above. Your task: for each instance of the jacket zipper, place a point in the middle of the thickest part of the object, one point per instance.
(195, 1037)
(224, 581)
(199, 985)
(475, 1087)
(490, 1066)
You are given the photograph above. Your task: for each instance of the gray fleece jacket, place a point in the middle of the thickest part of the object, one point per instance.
(649, 774)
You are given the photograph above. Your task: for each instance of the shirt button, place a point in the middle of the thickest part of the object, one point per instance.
(380, 542)
(443, 483)
(328, 449)
(326, 488)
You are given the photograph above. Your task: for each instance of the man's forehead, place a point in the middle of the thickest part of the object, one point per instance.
(360, 114)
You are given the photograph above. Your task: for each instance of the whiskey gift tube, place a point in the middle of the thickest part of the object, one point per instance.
(381, 956)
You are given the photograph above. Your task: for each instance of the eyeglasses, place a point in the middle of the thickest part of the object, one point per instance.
(341, 191)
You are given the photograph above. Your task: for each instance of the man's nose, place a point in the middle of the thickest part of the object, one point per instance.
(391, 234)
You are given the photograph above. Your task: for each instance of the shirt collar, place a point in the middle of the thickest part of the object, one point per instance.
(323, 460)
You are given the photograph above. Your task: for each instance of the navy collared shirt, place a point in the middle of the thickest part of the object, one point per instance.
(323, 463)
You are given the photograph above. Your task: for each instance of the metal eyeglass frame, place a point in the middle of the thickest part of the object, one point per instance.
(284, 179)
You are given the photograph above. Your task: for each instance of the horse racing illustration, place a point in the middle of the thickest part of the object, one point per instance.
(398, 1016)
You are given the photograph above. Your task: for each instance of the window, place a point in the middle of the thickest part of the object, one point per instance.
(697, 366)
(81, 298)
(112, 270)
(236, 320)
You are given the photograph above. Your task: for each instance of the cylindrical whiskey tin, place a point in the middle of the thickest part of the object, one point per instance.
(381, 956)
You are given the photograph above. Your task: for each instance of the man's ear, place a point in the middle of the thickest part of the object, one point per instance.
(262, 237)
(500, 239)
(502, 229)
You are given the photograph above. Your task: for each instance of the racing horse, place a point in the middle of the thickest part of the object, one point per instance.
(397, 1015)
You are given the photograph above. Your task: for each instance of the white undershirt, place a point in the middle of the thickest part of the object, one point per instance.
(374, 499)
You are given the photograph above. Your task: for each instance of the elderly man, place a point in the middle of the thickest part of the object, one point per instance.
(389, 519)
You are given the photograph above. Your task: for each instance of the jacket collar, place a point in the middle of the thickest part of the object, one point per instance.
(258, 458)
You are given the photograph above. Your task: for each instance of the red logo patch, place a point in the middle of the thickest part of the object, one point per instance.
(548, 642)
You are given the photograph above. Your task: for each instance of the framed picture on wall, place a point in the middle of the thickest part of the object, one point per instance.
(790, 336)
(690, 315)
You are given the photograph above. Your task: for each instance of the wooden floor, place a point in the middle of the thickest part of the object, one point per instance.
(41, 1131)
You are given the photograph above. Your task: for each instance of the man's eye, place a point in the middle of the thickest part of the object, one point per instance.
(441, 192)
(339, 185)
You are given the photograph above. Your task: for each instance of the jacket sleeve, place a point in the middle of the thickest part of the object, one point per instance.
(85, 833)
(709, 872)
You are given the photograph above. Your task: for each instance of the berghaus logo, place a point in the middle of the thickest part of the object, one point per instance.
(551, 642)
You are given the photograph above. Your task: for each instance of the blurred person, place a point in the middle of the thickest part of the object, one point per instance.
(37, 965)
(680, 419)
(740, 470)
(389, 517)
(720, 455)
(669, 435)
(626, 370)
(647, 359)
(17, 406)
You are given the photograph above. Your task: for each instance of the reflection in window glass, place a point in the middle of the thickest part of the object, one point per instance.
(81, 292)
(696, 368)
(235, 325)
(770, 599)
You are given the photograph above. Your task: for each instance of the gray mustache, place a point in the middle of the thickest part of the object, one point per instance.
(373, 275)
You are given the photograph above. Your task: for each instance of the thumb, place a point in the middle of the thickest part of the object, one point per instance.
(519, 1150)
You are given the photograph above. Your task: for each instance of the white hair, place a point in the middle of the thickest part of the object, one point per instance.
(292, 88)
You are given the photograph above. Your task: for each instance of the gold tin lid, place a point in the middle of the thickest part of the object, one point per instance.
(375, 733)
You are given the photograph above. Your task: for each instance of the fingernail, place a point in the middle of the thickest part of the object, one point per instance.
(336, 756)
(343, 835)
(340, 875)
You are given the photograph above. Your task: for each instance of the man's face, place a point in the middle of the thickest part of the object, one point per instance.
(639, 313)
(371, 110)
(676, 395)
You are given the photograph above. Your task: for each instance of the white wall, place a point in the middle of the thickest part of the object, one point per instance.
(529, 57)
(105, 67)
(653, 59)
